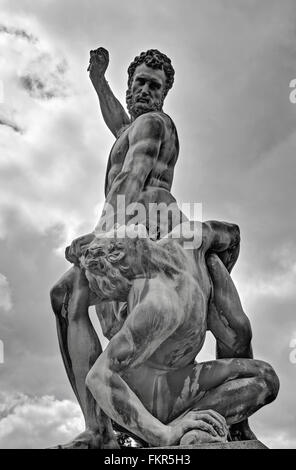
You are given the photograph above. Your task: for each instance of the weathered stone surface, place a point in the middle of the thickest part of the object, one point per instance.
(253, 444)
(154, 295)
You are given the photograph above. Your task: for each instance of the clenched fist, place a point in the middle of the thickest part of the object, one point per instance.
(98, 63)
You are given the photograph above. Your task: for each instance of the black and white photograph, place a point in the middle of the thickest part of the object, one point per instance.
(147, 227)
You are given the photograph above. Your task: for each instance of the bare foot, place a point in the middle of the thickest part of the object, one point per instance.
(241, 432)
(89, 440)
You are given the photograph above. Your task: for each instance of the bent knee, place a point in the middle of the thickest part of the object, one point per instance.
(271, 379)
(273, 384)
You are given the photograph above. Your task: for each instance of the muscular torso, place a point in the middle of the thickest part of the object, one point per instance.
(155, 380)
(193, 290)
(160, 178)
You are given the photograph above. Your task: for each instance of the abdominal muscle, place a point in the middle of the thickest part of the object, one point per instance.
(158, 220)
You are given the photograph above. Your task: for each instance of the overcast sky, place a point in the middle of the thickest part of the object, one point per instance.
(234, 60)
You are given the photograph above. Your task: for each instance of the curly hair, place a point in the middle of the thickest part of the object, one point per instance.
(109, 273)
(105, 269)
(156, 60)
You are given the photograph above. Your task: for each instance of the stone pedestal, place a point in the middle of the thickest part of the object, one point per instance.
(253, 444)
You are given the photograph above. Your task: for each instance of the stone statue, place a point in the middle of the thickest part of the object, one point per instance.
(140, 168)
(147, 379)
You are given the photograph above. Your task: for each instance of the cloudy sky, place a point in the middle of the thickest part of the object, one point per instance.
(234, 60)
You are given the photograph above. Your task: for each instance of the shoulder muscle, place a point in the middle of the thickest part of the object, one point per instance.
(148, 126)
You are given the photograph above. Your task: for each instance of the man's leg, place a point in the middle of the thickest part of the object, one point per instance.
(80, 347)
(230, 325)
(235, 388)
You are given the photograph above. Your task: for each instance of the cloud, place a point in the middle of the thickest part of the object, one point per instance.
(29, 260)
(277, 283)
(45, 77)
(18, 33)
(13, 125)
(37, 422)
(39, 69)
(7, 118)
(37, 88)
(53, 149)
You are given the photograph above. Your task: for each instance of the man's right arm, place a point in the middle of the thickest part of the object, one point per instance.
(113, 112)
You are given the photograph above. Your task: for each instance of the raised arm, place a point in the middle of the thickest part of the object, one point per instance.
(113, 112)
(145, 139)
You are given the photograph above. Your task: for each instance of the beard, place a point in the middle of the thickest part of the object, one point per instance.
(136, 108)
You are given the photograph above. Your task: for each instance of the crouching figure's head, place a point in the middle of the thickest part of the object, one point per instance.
(114, 259)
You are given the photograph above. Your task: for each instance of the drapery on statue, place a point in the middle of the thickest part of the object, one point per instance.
(156, 315)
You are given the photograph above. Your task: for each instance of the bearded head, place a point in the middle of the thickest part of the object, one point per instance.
(155, 60)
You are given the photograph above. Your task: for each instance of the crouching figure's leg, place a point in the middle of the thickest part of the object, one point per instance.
(234, 389)
(80, 347)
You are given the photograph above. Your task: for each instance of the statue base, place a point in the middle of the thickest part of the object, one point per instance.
(252, 444)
